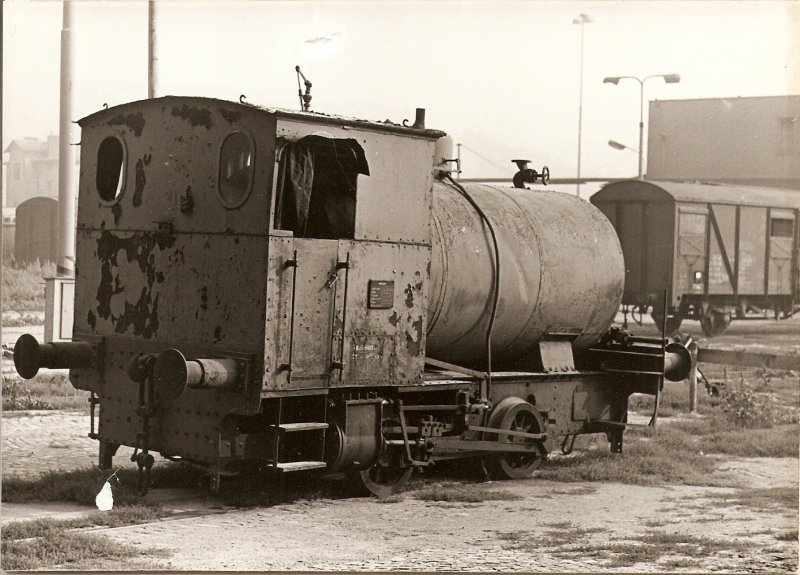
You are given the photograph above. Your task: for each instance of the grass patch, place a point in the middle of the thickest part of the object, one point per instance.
(117, 517)
(82, 485)
(22, 320)
(53, 543)
(23, 285)
(649, 459)
(45, 391)
(64, 550)
(566, 541)
(765, 498)
(464, 494)
(787, 536)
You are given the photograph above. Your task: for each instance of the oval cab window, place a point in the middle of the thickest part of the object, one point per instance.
(235, 169)
(110, 169)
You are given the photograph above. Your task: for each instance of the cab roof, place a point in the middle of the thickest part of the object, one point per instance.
(308, 117)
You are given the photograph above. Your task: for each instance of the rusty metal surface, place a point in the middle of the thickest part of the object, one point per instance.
(561, 265)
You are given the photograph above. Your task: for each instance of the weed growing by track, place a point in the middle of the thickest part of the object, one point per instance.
(82, 485)
(49, 391)
(23, 285)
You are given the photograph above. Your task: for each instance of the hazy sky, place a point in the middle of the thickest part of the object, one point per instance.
(501, 77)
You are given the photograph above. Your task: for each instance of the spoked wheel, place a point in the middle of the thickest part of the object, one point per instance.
(714, 323)
(388, 475)
(673, 322)
(516, 414)
(384, 480)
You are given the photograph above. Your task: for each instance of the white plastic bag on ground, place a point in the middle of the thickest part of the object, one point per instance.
(105, 499)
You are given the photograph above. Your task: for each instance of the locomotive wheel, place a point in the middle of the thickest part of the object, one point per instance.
(673, 322)
(383, 480)
(714, 323)
(516, 414)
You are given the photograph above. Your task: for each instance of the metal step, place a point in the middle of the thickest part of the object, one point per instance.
(302, 426)
(300, 465)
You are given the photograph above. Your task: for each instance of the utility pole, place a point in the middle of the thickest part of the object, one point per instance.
(67, 181)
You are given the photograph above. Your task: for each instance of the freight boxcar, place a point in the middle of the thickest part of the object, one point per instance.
(720, 251)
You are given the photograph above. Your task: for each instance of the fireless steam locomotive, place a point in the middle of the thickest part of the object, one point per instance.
(316, 293)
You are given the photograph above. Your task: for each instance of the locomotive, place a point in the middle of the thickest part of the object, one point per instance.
(317, 294)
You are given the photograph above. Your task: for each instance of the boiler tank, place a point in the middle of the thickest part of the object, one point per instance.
(561, 266)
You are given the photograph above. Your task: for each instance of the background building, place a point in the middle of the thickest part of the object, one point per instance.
(31, 170)
(733, 140)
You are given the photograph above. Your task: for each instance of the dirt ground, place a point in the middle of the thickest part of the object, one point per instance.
(567, 522)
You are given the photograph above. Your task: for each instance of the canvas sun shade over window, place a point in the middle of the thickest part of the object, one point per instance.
(317, 186)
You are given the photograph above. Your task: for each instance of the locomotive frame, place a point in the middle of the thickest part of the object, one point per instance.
(241, 295)
(720, 251)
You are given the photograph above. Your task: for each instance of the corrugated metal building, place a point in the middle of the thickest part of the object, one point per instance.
(749, 141)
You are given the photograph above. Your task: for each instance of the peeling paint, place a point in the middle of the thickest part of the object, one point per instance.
(141, 180)
(195, 116)
(143, 315)
(204, 298)
(187, 202)
(409, 291)
(91, 319)
(116, 211)
(138, 248)
(217, 334)
(135, 122)
(230, 115)
(414, 337)
(394, 319)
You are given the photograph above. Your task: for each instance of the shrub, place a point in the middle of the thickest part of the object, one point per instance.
(746, 408)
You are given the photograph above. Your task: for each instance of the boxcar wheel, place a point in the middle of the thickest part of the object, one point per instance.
(714, 323)
(516, 414)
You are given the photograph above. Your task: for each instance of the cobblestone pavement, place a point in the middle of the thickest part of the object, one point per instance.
(360, 534)
(34, 442)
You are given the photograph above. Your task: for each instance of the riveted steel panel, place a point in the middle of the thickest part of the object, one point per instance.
(171, 166)
(382, 345)
(172, 288)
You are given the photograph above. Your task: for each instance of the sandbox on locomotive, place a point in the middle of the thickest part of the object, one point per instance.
(315, 293)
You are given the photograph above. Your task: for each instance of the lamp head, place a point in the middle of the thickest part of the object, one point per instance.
(583, 19)
(672, 78)
(611, 80)
(616, 145)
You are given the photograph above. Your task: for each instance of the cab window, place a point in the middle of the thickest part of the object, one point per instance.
(317, 187)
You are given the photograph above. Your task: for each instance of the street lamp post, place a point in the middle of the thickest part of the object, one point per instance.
(581, 19)
(669, 79)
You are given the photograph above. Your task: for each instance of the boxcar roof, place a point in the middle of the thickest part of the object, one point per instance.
(312, 117)
(695, 192)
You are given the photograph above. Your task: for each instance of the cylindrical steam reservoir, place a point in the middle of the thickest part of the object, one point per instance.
(561, 266)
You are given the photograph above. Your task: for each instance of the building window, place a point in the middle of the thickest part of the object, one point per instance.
(110, 169)
(235, 169)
